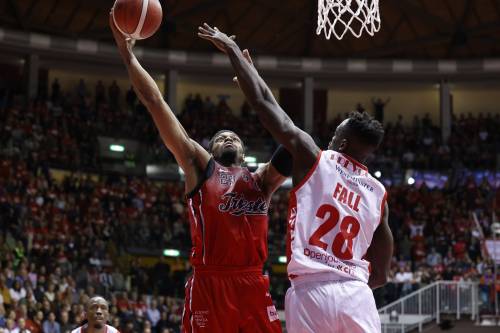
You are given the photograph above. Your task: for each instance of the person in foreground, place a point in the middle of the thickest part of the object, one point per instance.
(339, 241)
(97, 315)
(228, 210)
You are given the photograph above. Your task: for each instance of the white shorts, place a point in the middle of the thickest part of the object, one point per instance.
(333, 306)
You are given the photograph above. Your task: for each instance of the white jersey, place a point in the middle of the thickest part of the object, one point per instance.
(332, 216)
(83, 329)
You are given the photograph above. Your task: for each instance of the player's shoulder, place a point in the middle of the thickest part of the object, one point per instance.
(377, 184)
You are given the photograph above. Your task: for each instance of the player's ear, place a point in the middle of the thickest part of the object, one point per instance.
(344, 143)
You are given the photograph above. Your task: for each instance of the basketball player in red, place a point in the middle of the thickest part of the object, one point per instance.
(228, 207)
(339, 242)
(97, 315)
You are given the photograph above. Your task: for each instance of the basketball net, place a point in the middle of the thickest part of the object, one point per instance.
(340, 16)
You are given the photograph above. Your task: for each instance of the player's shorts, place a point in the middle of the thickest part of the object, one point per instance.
(229, 302)
(331, 306)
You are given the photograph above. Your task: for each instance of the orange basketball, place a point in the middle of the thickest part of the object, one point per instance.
(137, 19)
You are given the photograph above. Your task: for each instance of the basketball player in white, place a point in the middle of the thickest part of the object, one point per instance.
(97, 315)
(339, 242)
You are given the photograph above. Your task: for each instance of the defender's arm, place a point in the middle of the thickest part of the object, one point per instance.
(259, 96)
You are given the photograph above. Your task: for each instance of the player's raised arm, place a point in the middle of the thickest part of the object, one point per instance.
(259, 96)
(191, 157)
(380, 252)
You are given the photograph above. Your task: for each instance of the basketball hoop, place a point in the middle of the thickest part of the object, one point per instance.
(340, 16)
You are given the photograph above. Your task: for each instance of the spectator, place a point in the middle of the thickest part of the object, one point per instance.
(51, 325)
(114, 94)
(10, 326)
(66, 326)
(35, 324)
(434, 258)
(17, 292)
(21, 326)
(153, 314)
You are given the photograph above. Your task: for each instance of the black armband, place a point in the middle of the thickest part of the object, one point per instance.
(282, 161)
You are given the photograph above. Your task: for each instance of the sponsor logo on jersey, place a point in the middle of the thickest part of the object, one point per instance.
(353, 179)
(331, 261)
(236, 204)
(272, 313)
(200, 318)
(226, 178)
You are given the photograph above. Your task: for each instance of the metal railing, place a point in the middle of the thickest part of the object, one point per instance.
(428, 304)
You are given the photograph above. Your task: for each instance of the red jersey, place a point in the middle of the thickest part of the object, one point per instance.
(228, 216)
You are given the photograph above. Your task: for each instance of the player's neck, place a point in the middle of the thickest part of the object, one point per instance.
(360, 158)
(91, 329)
(228, 163)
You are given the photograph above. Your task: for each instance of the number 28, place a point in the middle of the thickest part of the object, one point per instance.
(349, 229)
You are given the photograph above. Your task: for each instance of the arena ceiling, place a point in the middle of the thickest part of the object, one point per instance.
(410, 28)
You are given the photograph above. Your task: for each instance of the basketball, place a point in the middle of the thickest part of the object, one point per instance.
(137, 19)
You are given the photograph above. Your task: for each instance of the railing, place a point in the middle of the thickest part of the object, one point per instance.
(428, 304)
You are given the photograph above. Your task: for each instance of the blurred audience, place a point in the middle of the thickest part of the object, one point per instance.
(68, 235)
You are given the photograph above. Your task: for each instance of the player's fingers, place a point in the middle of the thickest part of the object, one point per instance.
(200, 34)
(233, 37)
(247, 56)
(204, 36)
(206, 26)
(203, 30)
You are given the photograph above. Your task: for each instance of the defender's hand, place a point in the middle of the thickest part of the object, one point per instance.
(218, 38)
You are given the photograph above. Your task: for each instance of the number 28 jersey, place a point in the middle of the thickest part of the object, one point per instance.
(333, 214)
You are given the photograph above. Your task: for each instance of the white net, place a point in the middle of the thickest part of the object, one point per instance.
(337, 17)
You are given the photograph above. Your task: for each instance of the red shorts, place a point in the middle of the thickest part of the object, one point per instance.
(229, 302)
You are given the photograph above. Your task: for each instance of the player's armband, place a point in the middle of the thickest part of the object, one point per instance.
(282, 161)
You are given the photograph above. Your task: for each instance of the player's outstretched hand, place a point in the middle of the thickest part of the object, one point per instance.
(123, 42)
(218, 38)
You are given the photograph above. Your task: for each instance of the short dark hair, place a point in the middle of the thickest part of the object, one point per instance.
(212, 140)
(369, 130)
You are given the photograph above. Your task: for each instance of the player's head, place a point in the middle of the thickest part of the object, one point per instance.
(97, 312)
(358, 136)
(227, 148)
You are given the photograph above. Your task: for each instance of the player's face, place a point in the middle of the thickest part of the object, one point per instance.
(339, 142)
(228, 148)
(98, 313)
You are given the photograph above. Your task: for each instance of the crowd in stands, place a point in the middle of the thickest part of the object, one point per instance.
(438, 237)
(58, 247)
(62, 130)
(60, 238)
(474, 143)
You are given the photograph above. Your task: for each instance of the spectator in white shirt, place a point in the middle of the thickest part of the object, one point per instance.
(153, 314)
(10, 326)
(17, 292)
(21, 326)
(434, 258)
(50, 294)
(405, 277)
